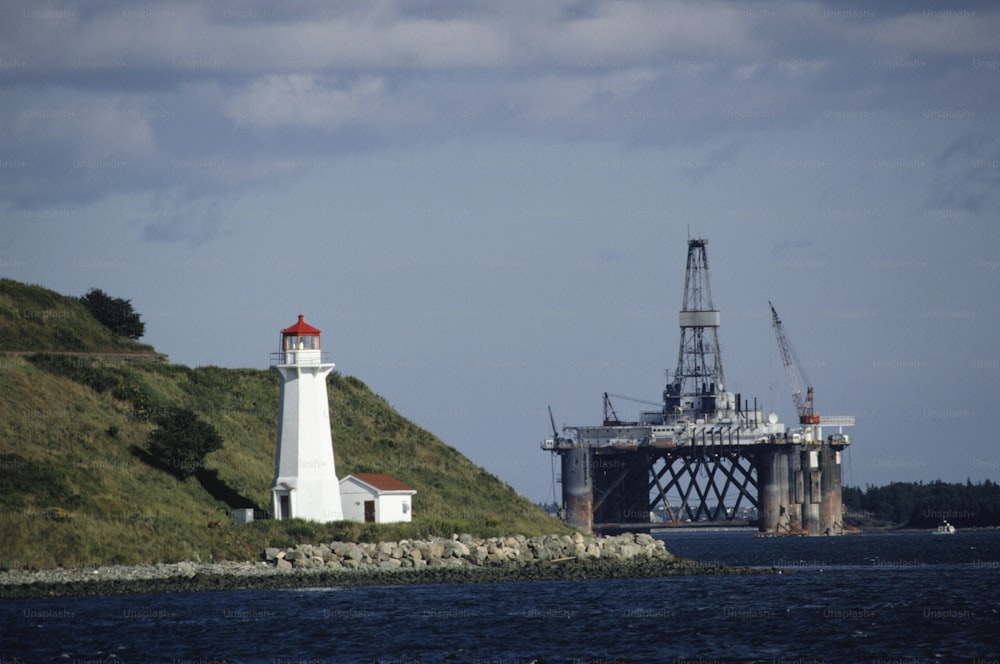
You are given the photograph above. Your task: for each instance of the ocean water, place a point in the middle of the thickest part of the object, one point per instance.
(862, 598)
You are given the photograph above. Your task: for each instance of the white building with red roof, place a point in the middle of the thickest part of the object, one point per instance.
(376, 498)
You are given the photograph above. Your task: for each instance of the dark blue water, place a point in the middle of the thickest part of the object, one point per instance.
(863, 598)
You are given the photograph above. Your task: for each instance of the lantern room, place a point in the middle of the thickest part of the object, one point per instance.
(301, 336)
(299, 343)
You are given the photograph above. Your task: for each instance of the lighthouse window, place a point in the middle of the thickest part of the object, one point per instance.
(293, 342)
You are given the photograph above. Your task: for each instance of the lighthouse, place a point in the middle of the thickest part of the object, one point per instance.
(305, 478)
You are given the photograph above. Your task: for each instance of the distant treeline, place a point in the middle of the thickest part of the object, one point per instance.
(920, 505)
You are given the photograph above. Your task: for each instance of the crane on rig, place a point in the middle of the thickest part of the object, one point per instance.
(795, 369)
(804, 406)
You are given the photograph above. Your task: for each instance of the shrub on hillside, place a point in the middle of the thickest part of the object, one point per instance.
(181, 441)
(114, 313)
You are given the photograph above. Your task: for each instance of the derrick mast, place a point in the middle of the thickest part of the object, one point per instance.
(697, 389)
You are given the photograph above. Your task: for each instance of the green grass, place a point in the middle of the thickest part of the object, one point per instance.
(33, 318)
(74, 491)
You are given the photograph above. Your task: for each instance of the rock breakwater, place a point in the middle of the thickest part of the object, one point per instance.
(459, 559)
(465, 551)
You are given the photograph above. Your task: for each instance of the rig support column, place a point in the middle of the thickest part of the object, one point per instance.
(774, 491)
(577, 487)
(812, 477)
(831, 508)
(799, 489)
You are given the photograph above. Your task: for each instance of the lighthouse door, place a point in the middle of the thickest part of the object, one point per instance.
(369, 511)
(284, 506)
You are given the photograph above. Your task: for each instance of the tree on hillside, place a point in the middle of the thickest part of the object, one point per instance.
(181, 441)
(114, 313)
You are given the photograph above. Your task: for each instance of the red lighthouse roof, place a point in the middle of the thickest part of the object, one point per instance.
(301, 329)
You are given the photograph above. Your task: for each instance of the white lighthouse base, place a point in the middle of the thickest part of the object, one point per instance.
(311, 504)
(305, 479)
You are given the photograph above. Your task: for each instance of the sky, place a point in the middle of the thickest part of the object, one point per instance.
(485, 206)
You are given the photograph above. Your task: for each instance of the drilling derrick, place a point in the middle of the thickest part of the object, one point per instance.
(698, 386)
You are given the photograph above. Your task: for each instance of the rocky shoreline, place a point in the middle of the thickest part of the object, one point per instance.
(460, 559)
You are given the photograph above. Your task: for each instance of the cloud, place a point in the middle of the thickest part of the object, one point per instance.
(954, 31)
(174, 219)
(219, 98)
(969, 176)
(305, 101)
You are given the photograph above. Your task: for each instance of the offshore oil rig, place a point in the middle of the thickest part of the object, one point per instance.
(706, 456)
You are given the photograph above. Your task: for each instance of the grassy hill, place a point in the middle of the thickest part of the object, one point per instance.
(78, 487)
(33, 318)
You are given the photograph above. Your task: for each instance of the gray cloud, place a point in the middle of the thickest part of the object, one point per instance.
(150, 96)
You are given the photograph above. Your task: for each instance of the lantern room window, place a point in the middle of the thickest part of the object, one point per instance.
(295, 342)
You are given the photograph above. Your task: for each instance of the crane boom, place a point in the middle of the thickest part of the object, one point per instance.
(794, 367)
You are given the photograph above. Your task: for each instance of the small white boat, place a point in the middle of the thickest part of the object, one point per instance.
(944, 529)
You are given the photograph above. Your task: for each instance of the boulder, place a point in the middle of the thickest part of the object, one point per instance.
(629, 551)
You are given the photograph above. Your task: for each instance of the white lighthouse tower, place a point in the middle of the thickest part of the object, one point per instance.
(305, 478)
